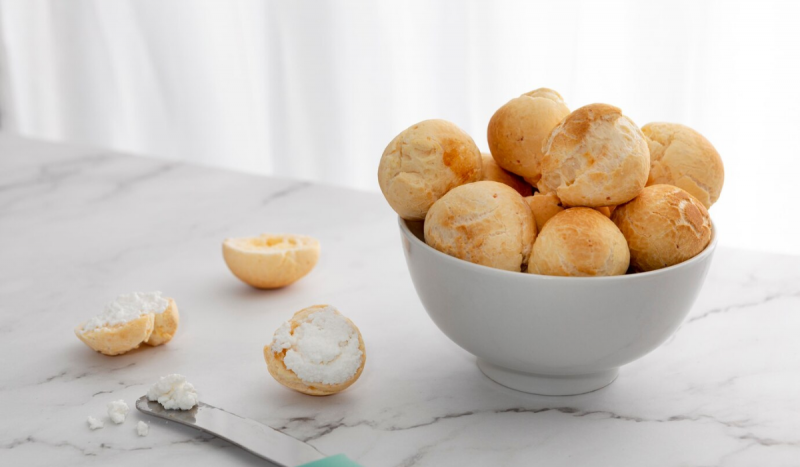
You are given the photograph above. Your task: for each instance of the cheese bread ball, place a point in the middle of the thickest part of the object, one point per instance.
(270, 261)
(423, 163)
(579, 242)
(605, 210)
(318, 352)
(545, 206)
(517, 129)
(664, 226)
(495, 173)
(486, 223)
(595, 157)
(682, 157)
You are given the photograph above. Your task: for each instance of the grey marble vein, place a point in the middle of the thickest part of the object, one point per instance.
(283, 193)
(126, 184)
(741, 306)
(325, 429)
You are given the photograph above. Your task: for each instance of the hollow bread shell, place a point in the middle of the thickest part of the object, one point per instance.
(120, 338)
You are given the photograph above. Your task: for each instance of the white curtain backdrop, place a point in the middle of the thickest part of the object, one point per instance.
(316, 89)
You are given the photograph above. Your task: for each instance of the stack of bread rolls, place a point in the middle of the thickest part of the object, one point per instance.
(582, 193)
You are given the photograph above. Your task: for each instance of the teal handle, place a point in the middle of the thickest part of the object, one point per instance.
(339, 460)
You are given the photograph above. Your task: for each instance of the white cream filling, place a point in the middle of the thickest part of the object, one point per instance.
(323, 349)
(94, 423)
(117, 411)
(126, 308)
(173, 392)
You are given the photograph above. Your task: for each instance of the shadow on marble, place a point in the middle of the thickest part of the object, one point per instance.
(240, 291)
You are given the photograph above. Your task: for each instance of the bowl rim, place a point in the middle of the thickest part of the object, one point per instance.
(703, 255)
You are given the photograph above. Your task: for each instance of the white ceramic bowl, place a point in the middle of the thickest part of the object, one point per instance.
(551, 335)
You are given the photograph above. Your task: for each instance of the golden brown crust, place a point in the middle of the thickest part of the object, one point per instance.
(664, 226)
(119, 339)
(581, 120)
(424, 162)
(517, 129)
(595, 157)
(495, 173)
(580, 242)
(546, 93)
(165, 325)
(605, 210)
(682, 157)
(263, 263)
(485, 223)
(543, 207)
(288, 378)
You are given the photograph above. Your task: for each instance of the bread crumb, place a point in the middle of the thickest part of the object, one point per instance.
(94, 423)
(173, 392)
(117, 411)
(142, 428)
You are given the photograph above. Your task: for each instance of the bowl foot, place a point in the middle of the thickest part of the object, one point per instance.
(548, 385)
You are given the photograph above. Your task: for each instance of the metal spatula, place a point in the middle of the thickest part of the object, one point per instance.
(280, 449)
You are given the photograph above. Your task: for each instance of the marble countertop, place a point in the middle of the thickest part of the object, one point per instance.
(79, 226)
